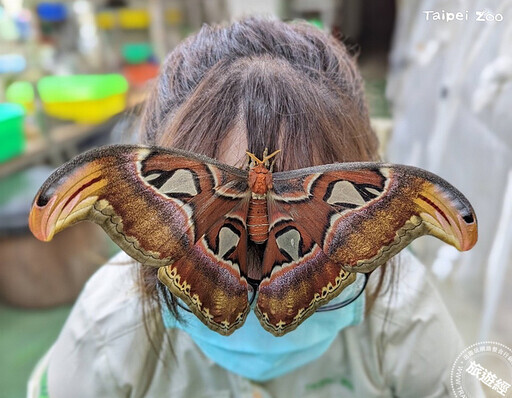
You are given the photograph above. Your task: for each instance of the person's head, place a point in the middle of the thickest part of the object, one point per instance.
(258, 84)
(262, 83)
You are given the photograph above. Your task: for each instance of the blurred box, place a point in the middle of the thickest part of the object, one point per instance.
(52, 11)
(83, 98)
(11, 131)
(21, 93)
(139, 75)
(12, 63)
(106, 20)
(137, 53)
(133, 18)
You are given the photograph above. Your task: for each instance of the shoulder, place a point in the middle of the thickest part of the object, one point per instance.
(111, 296)
(408, 293)
(413, 337)
(104, 337)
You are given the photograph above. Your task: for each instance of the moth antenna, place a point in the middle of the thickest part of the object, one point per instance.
(272, 165)
(264, 161)
(253, 158)
(266, 158)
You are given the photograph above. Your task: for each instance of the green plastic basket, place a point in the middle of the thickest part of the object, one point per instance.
(80, 87)
(83, 98)
(12, 140)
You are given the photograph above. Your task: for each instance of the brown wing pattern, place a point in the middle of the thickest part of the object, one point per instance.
(186, 214)
(300, 278)
(328, 222)
(209, 279)
(165, 208)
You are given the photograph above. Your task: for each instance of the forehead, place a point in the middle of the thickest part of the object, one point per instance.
(232, 149)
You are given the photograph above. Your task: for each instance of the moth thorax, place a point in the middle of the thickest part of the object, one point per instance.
(257, 220)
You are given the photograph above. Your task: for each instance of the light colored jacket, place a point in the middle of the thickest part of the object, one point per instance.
(404, 348)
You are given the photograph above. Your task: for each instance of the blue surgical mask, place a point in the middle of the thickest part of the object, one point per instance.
(255, 354)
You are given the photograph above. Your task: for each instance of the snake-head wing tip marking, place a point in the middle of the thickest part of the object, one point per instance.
(448, 214)
(65, 199)
(36, 223)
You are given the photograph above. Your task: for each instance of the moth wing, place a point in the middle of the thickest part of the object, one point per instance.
(211, 278)
(160, 206)
(328, 222)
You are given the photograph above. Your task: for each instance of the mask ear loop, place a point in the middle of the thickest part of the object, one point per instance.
(182, 306)
(337, 306)
(255, 284)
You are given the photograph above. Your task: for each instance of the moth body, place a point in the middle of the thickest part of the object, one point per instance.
(257, 221)
(260, 181)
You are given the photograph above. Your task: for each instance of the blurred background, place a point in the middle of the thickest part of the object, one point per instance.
(74, 75)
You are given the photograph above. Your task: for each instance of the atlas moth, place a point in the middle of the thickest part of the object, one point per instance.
(195, 219)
